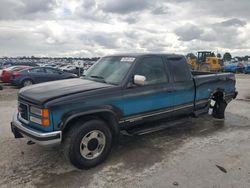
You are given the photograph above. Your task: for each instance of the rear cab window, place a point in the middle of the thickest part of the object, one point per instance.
(179, 69)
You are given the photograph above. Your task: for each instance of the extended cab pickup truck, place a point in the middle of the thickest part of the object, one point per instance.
(120, 92)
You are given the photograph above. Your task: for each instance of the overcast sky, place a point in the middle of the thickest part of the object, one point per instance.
(87, 28)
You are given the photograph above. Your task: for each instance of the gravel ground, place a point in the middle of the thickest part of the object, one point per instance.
(200, 152)
(9, 93)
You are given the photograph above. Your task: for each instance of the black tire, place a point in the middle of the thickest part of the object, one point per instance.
(73, 142)
(219, 109)
(27, 80)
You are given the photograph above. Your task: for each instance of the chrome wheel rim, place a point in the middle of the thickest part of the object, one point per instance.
(92, 144)
(27, 83)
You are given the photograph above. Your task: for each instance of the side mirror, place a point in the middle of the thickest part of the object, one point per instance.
(139, 80)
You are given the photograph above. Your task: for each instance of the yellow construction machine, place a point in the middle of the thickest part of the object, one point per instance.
(205, 61)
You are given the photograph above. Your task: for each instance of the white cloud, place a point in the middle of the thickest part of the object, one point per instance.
(99, 27)
(124, 7)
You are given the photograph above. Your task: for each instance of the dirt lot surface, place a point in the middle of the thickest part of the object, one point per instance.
(200, 152)
(9, 93)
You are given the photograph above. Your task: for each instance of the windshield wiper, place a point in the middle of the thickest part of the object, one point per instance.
(99, 78)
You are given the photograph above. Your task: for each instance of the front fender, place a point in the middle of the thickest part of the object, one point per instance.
(110, 113)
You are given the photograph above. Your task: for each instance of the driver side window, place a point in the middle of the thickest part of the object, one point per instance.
(153, 69)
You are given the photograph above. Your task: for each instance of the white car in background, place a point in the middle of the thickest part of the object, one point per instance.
(67, 67)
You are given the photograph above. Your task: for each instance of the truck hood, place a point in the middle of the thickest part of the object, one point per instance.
(41, 93)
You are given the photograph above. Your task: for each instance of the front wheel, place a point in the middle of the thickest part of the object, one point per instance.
(87, 145)
(27, 82)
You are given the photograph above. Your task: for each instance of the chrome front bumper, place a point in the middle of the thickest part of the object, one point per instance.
(41, 138)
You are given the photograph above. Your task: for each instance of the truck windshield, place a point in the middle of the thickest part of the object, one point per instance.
(111, 70)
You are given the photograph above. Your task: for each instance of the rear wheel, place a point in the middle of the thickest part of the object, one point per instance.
(220, 106)
(87, 145)
(27, 82)
(219, 110)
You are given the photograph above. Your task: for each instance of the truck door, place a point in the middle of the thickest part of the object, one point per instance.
(183, 85)
(155, 97)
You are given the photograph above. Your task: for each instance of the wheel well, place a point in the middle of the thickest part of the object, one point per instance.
(108, 117)
(27, 79)
(218, 95)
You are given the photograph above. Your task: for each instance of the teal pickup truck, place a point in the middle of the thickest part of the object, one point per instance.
(118, 93)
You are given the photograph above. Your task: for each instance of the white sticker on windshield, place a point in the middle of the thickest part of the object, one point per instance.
(128, 59)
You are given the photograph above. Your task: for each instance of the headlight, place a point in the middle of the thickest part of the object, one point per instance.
(43, 114)
(36, 111)
(36, 120)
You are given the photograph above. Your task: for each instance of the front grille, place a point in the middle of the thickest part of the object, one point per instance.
(23, 110)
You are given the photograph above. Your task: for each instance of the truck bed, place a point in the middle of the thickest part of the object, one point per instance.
(197, 73)
(208, 82)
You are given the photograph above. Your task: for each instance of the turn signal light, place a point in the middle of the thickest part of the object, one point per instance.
(45, 113)
(45, 122)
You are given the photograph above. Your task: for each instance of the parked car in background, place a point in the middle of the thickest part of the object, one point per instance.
(38, 75)
(31, 64)
(8, 72)
(247, 69)
(5, 65)
(49, 65)
(72, 69)
(78, 71)
(60, 65)
(67, 67)
(234, 67)
(9, 64)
